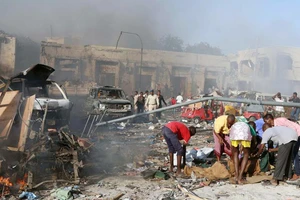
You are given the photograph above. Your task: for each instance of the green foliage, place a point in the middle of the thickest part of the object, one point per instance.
(203, 48)
(174, 43)
(171, 43)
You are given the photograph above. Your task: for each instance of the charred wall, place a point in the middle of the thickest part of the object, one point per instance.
(170, 72)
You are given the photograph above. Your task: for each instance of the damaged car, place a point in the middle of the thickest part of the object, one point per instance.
(109, 101)
(50, 97)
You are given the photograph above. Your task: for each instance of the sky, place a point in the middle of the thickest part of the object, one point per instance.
(231, 25)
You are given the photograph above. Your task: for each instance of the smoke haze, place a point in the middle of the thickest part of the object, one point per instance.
(230, 25)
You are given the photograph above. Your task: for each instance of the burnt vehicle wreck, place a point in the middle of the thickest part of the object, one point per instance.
(35, 150)
(50, 99)
(109, 101)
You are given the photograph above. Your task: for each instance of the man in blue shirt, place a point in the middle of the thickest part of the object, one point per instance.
(259, 124)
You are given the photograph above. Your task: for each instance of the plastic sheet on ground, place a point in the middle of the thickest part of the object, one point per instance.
(195, 154)
(28, 196)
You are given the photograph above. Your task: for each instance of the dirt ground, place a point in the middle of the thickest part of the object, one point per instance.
(124, 151)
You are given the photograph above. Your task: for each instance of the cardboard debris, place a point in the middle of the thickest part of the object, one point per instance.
(8, 110)
(215, 172)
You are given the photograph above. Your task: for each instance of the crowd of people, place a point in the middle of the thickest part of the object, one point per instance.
(145, 101)
(242, 141)
(257, 140)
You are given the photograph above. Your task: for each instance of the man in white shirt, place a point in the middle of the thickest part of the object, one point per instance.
(189, 99)
(179, 98)
(279, 110)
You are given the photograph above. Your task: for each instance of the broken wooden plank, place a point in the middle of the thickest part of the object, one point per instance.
(7, 113)
(75, 166)
(26, 122)
(118, 196)
(190, 194)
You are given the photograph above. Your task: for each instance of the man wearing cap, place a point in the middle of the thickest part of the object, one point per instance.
(152, 101)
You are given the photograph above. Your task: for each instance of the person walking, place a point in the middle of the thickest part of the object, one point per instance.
(140, 103)
(135, 97)
(179, 98)
(152, 103)
(160, 101)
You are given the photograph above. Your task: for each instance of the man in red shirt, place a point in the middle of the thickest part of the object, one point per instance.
(177, 134)
(173, 101)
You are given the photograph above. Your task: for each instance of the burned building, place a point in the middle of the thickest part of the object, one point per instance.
(271, 69)
(172, 72)
(7, 53)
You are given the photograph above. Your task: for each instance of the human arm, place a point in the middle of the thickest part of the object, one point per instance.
(183, 142)
(163, 100)
(221, 140)
(273, 149)
(275, 96)
(157, 101)
(260, 150)
(219, 129)
(146, 102)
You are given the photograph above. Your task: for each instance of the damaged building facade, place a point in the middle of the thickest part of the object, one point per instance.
(7, 53)
(278, 69)
(172, 72)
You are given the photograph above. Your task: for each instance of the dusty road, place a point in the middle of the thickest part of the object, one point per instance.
(123, 152)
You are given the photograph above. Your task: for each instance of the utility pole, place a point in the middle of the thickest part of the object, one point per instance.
(255, 66)
(142, 49)
(51, 31)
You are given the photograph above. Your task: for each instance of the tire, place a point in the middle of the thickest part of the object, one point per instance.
(197, 120)
(252, 118)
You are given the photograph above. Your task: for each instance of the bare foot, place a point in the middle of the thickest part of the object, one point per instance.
(275, 182)
(242, 182)
(179, 175)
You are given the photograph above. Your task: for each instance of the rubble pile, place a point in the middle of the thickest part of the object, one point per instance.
(42, 159)
(33, 158)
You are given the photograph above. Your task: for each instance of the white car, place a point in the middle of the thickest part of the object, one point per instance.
(34, 81)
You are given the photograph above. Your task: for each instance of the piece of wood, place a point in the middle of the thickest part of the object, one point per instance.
(8, 111)
(118, 196)
(26, 122)
(192, 196)
(75, 166)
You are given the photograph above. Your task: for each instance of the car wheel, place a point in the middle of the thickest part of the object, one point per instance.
(197, 120)
(252, 118)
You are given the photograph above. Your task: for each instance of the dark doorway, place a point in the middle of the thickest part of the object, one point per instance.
(107, 79)
(209, 83)
(179, 85)
(145, 83)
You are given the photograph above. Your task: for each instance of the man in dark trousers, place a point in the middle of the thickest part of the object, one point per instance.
(160, 100)
(177, 135)
(286, 138)
(140, 103)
